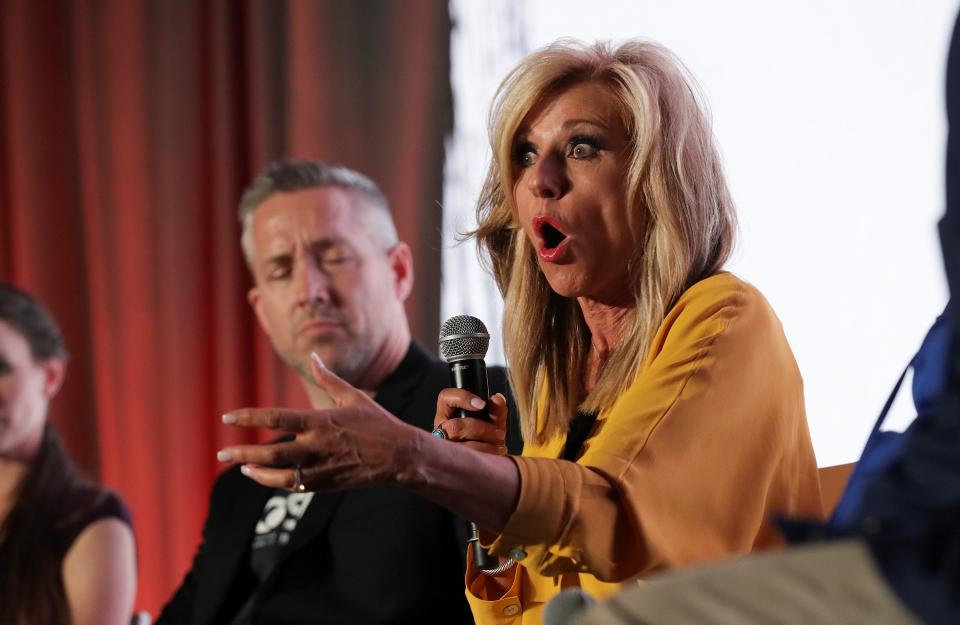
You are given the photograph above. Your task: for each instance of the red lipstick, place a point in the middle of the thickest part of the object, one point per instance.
(552, 241)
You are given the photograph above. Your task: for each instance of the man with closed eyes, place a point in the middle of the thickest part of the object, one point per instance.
(330, 277)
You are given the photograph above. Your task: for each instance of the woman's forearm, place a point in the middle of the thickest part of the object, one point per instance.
(479, 487)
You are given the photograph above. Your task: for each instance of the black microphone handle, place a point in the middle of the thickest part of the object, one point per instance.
(471, 375)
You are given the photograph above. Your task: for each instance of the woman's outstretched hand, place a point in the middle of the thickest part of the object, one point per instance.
(486, 436)
(357, 443)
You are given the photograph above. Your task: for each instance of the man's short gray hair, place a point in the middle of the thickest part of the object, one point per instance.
(295, 175)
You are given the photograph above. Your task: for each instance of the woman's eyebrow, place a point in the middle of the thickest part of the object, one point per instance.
(582, 120)
(523, 131)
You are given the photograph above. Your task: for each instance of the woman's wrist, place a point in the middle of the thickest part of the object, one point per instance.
(408, 470)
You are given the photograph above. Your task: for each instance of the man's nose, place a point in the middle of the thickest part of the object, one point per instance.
(548, 178)
(314, 283)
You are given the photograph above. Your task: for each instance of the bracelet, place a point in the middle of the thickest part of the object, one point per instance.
(503, 568)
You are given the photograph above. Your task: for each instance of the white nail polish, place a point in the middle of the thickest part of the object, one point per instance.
(229, 419)
(315, 357)
(245, 470)
(224, 456)
(477, 403)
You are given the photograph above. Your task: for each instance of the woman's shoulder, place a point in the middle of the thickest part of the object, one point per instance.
(100, 540)
(723, 296)
(722, 290)
(715, 307)
(90, 502)
(102, 502)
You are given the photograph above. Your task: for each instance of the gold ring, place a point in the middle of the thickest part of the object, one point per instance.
(298, 485)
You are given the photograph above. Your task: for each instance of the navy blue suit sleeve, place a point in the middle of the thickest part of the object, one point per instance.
(912, 511)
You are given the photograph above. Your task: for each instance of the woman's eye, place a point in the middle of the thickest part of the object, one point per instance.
(584, 149)
(524, 155)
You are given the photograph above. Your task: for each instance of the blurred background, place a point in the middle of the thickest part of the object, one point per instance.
(128, 129)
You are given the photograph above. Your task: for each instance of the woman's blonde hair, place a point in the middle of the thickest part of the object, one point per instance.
(679, 212)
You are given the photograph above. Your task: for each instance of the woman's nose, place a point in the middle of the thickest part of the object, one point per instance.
(548, 178)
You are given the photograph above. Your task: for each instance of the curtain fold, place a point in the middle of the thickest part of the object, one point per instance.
(127, 132)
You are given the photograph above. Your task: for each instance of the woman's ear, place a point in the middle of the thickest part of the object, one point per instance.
(55, 369)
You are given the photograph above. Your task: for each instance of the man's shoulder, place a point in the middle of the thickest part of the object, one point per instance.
(417, 367)
(497, 376)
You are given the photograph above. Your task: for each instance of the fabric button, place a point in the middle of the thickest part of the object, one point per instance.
(511, 610)
(517, 554)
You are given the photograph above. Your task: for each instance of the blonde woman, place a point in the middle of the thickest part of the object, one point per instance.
(661, 407)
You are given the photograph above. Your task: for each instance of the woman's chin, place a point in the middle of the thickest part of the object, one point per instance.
(583, 288)
(565, 285)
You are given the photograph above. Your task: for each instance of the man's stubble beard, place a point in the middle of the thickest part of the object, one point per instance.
(350, 364)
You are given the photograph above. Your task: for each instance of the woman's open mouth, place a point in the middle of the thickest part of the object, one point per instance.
(553, 240)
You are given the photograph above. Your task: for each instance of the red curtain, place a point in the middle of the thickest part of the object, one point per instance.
(127, 132)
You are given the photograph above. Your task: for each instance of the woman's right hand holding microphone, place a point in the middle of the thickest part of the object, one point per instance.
(485, 436)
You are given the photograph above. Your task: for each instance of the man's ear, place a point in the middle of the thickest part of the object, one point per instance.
(401, 262)
(254, 297)
(54, 370)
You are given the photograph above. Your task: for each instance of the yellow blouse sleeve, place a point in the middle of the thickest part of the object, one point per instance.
(692, 462)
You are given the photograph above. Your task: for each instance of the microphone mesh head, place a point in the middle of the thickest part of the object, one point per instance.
(463, 337)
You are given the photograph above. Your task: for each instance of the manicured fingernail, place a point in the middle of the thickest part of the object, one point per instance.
(477, 403)
(499, 398)
(315, 357)
(229, 419)
(224, 456)
(245, 470)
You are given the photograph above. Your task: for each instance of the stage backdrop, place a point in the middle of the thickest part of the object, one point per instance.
(127, 131)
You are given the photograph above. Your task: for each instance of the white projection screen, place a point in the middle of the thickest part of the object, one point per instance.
(831, 122)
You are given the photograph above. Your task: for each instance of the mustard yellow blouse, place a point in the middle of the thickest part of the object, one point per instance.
(691, 463)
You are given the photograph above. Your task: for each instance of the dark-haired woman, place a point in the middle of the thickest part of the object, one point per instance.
(67, 553)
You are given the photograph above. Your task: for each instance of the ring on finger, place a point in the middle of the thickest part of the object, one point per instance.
(439, 433)
(298, 485)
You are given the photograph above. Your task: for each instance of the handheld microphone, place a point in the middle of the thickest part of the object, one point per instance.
(463, 342)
